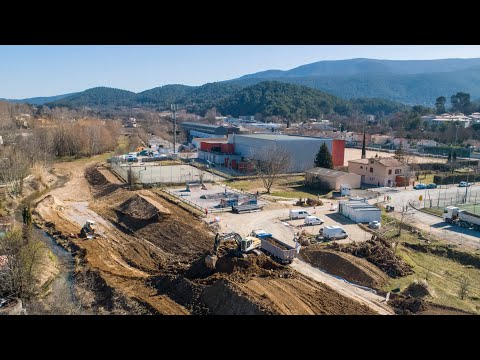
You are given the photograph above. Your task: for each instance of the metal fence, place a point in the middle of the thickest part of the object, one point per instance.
(194, 205)
(442, 199)
(157, 174)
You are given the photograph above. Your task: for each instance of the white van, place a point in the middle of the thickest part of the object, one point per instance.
(299, 214)
(333, 232)
(313, 220)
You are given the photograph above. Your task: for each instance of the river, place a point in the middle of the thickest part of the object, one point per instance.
(61, 298)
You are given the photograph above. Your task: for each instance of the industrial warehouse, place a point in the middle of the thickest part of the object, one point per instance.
(302, 150)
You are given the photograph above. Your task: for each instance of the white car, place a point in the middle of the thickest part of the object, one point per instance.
(313, 220)
(464, 184)
(374, 224)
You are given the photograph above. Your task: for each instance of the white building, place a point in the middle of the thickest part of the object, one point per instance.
(463, 120)
(359, 211)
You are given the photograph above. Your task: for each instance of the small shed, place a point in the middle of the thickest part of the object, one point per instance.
(328, 179)
(359, 211)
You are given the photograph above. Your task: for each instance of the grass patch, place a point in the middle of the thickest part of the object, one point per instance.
(442, 273)
(434, 211)
(288, 187)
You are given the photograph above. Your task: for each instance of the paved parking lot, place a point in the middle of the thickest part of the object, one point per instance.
(274, 219)
(213, 194)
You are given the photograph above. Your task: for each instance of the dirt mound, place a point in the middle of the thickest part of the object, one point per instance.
(225, 298)
(140, 207)
(378, 252)
(100, 185)
(419, 289)
(347, 266)
(407, 305)
(47, 204)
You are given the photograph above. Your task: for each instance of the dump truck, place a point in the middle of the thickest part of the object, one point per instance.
(280, 251)
(463, 218)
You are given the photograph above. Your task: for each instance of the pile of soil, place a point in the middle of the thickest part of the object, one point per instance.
(250, 286)
(407, 305)
(138, 211)
(419, 289)
(347, 266)
(277, 244)
(100, 185)
(378, 252)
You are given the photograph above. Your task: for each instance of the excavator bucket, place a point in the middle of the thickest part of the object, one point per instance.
(210, 261)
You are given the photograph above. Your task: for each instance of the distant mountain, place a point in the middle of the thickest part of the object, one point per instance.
(99, 96)
(294, 101)
(410, 82)
(39, 100)
(362, 66)
(230, 98)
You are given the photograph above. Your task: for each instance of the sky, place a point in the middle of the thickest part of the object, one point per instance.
(31, 71)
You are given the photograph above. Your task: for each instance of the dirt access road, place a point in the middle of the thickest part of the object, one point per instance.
(369, 298)
(67, 208)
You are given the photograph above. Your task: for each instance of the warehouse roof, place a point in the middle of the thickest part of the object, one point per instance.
(328, 172)
(187, 123)
(359, 205)
(282, 137)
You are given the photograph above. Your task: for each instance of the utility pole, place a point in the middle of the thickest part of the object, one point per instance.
(456, 133)
(468, 173)
(364, 152)
(174, 108)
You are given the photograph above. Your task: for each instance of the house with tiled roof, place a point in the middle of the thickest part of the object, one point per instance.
(381, 171)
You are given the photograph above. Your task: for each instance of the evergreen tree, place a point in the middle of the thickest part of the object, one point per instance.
(440, 105)
(324, 158)
(454, 156)
(364, 151)
(449, 157)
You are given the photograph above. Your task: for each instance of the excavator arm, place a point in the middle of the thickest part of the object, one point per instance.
(219, 237)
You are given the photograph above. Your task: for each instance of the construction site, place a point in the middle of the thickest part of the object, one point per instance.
(146, 255)
(147, 251)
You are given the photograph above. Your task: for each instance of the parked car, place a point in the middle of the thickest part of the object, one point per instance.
(420, 187)
(464, 184)
(333, 233)
(299, 214)
(313, 220)
(374, 224)
(432, 186)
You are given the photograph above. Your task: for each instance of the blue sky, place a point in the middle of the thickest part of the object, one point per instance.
(29, 71)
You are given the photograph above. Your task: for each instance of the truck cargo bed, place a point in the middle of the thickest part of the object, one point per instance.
(279, 250)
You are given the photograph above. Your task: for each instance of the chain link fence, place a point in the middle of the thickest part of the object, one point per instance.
(158, 174)
(464, 197)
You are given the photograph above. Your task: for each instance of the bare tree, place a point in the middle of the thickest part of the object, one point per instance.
(403, 218)
(269, 163)
(14, 167)
(464, 286)
(23, 259)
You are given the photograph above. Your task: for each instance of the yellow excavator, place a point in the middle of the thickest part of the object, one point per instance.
(249, 244)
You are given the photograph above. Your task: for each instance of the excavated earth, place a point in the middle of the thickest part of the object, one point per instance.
(349, 267)
(149, 258)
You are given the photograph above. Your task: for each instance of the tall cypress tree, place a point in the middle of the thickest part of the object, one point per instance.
(364, 150)
(324, 158)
